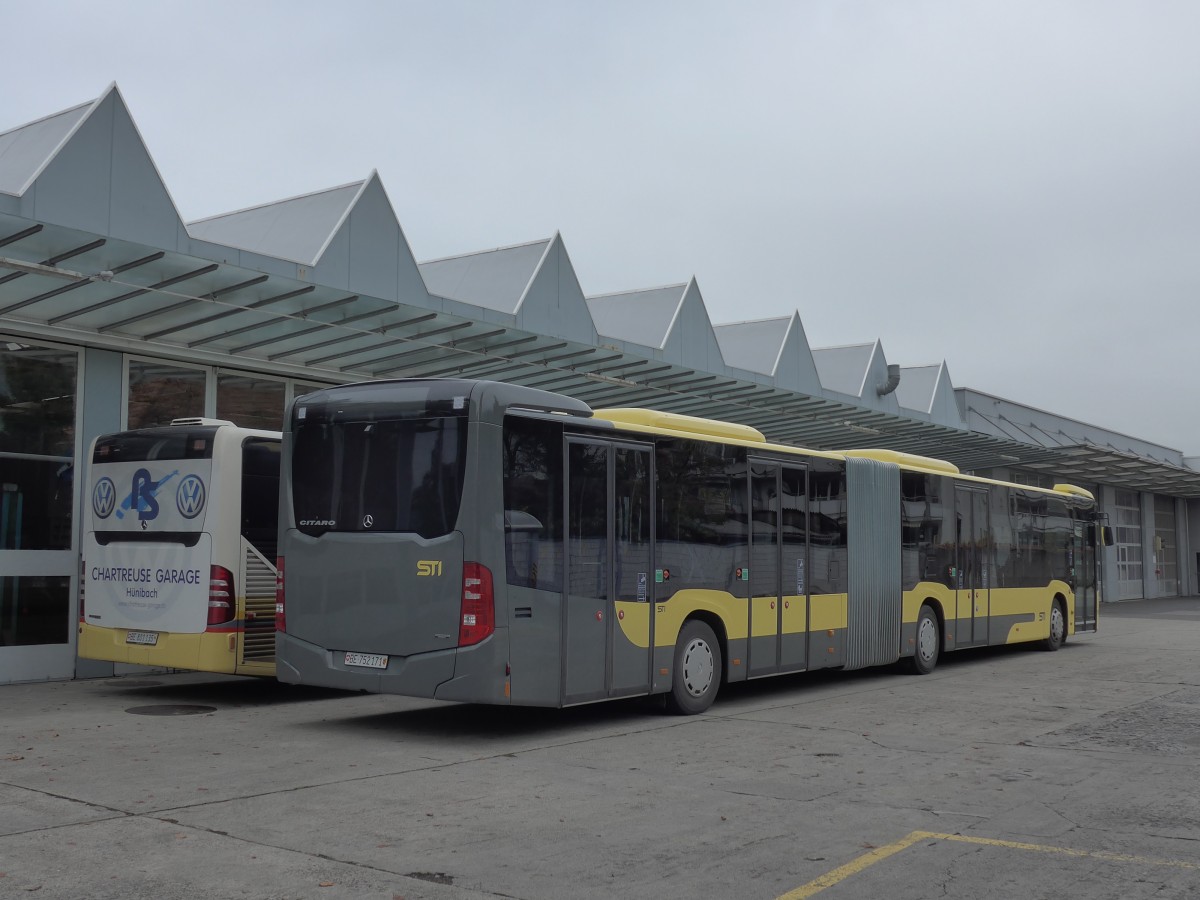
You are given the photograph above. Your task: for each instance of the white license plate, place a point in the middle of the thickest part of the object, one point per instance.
(367, 660)
(142, 637)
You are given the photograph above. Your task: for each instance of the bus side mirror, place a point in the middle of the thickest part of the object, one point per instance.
(1106, 534)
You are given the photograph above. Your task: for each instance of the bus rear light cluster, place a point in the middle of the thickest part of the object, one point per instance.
(478, 606)
(280, 619)
(222, 597)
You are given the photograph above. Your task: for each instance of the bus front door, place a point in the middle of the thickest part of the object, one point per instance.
(778, 607)
(1085, 573)
(973, 571)
(608, 628)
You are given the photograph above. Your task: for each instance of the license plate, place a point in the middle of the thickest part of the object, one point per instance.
(142, 637)
(367, 660)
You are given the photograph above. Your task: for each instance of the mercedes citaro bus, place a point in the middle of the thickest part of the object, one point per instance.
(490, 543)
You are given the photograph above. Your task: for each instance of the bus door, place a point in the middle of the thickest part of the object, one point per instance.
(972, 570)
(608, 629)
(1084, 573)
(778, 608)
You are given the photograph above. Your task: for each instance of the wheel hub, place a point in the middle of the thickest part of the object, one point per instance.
(1057, 624)
(927, 640)
(697, 667)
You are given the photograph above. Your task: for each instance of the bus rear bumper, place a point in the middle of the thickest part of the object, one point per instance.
(300, 662)
(203, 652)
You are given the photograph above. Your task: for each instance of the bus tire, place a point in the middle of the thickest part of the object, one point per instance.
(929, 642)
(1058, 626)
(696, 676)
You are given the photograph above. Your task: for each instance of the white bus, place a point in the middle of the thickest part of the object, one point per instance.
(179, 548)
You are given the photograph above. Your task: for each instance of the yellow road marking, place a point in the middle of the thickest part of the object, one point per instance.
(829, 879)
(1065, 851)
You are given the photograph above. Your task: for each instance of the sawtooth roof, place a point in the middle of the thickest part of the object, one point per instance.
(324, 286)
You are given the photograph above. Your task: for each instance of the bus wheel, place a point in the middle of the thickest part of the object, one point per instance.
(1058, 627)
(929, 645)
(697, 675)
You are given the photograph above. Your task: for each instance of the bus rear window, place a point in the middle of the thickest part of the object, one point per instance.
(149, 444)
(401, 474)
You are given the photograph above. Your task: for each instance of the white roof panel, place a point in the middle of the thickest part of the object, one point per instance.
(494, 279)
(643, 317)
(917, 387)
(753, 346)
(24, 150)
(296, 229)
(843, 369)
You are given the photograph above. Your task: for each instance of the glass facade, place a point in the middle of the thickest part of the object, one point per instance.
(37, 478)
(35, 609)
(40, 405)
(160, 392)
(251, 401)
(37, 447)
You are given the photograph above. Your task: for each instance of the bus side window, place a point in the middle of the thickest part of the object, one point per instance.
(702, 517)
(260, 495)
(533, 477)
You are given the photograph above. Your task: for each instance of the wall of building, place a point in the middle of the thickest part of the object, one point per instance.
(57, 398)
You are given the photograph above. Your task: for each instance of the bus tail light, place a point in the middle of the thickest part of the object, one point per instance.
(222, 599)
(82, 570)
(478, 607)
(280, 619)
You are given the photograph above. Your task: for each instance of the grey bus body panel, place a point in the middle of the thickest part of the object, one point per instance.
(825, 650)
(874, 599)
(303, 662)
(535, 628)
(362, 593)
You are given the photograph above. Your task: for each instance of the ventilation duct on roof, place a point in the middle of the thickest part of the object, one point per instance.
(893, 381)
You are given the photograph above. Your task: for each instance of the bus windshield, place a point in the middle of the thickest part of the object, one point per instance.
(394, 469)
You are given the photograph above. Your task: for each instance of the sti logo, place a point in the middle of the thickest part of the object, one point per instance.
(427, 567)
(104, 498)
(189, 496)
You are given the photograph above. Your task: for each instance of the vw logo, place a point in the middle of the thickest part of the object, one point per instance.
(104, 498)
(189, 496)
(368, 521)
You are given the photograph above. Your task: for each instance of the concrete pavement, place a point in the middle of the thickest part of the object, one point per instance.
(1011, 772)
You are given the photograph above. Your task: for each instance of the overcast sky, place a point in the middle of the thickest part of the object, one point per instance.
(1012, 187)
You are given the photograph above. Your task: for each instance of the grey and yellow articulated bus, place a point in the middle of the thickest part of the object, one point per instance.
(490, 543)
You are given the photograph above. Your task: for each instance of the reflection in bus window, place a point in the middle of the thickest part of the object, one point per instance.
(401, 475)
(533, 503)
(702, 515)
(827, 519)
